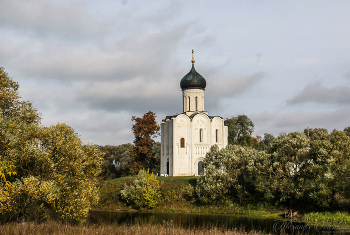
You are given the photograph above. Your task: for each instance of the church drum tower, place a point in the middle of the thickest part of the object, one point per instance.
(187, 137)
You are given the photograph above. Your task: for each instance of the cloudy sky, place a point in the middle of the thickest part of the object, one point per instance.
(95, 64)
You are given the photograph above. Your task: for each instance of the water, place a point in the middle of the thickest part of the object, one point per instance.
(200, 220)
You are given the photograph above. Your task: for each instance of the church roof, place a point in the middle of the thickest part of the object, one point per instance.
(193, 80)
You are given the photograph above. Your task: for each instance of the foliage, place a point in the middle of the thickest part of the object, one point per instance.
(6, 169)
(10, 104)
(144, 192)
(347, 131)
(265, 143)
(144, 130)
(293, 167)
(116, 161)
(108, 170)
(156, 148)
(122, 159)
(337, 217)
(281, 173)
(171, 192)
(54, 171)
(329, 167)
(240, 129)
(228, 172)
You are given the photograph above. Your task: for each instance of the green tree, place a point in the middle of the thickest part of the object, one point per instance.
(108, 169)
(144, 130)
(240, 130)
(229, 172)
(281, 173)
(156, 148)
(265, 143)
(55, 174)
(10, 104)
(329, 166)
(144, 192)
(122, 159)
(347, 131)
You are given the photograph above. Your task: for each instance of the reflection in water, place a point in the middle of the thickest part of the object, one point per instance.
(199, 220)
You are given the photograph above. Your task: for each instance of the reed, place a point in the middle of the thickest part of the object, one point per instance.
(56, 228)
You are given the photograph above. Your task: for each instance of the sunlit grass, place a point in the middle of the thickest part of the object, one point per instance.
(56, 228)
(333, 217)
(123, 180)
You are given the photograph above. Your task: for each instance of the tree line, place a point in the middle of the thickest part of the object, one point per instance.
(311, 168)
(129, 159)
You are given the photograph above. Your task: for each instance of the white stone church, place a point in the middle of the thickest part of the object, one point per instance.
(188, 136)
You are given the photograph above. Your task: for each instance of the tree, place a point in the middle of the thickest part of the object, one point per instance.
(265, 143)
(144, 130)
(329, 166)
(240, 129)
(10, 104)
(229, 172)
(282, 172)
(55, 174)
(156, 148)
(347, 131)
(108, 169)
(122, 160)
(144, 192)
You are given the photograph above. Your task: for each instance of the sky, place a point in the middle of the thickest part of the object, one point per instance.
(95, 64)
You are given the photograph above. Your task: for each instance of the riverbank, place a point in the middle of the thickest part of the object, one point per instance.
(174, 199)
(56, 228)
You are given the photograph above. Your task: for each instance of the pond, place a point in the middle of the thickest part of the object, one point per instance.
(199, 220)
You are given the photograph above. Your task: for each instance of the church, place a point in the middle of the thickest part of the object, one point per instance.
(187, 137)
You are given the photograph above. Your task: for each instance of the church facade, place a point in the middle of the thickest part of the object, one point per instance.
(187, 137)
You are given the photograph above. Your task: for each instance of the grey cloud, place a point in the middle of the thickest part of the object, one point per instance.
(278, 122)
(46, 18)
(98, 127)
(318, 93)
(234, 85)
(150, 56)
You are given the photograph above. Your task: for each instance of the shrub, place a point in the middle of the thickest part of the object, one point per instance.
(144, 192)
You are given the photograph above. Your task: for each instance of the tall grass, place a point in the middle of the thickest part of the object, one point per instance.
(333, 217)
(55, 228)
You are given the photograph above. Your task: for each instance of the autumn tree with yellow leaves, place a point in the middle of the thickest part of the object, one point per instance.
(44, 171)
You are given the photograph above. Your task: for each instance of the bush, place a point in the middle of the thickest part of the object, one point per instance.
(144, 192)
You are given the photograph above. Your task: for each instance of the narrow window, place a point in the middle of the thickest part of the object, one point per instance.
(200, 135)
(182, 142)
(200, 168)
(189, 104)
(216, 135)
(196, 103)
(167, 167)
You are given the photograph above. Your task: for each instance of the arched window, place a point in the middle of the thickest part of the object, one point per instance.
(216, 135)
(182, 142)
(201, 135)
(200, 168)
(196, 103)
(189, 104)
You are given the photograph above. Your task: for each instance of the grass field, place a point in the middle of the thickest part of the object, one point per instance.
(56, 228)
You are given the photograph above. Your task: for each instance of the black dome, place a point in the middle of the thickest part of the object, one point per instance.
(193, 80)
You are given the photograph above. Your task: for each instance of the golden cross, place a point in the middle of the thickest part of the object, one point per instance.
(192, 57)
